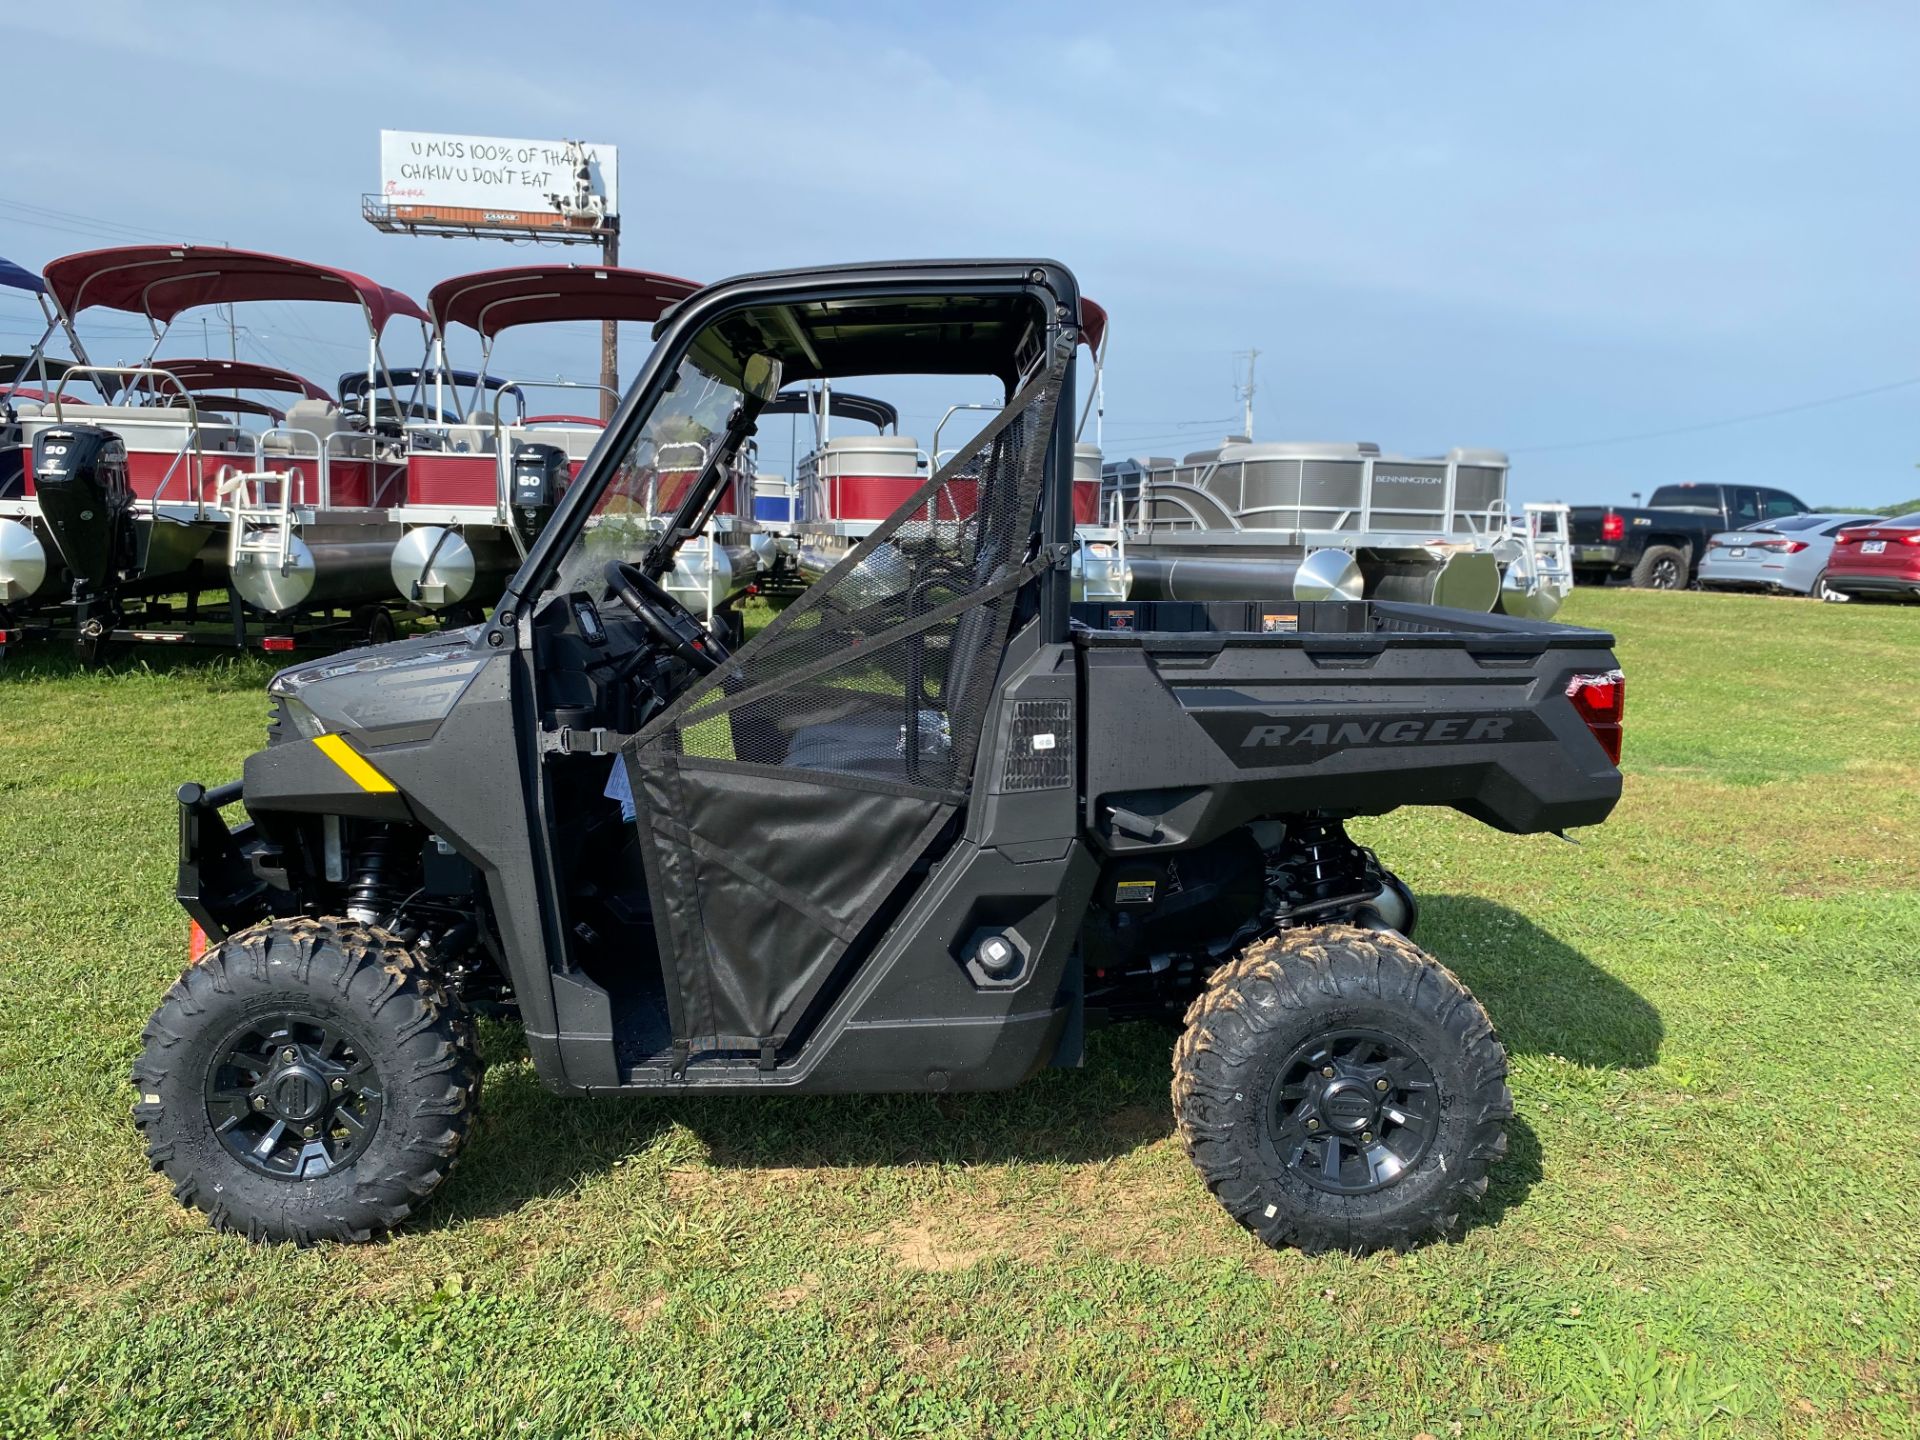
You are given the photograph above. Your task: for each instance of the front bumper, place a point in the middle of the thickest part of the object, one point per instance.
(225, 872)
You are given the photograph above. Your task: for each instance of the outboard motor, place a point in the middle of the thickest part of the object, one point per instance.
(80, 475)
(540, 476)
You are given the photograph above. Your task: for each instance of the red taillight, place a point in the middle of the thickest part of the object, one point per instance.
(1601, 699)
(7, 637)
(196, 942)
(1782, 547)
(1613, 527)
(276, 643)
(1912, 537)
(1845, 537)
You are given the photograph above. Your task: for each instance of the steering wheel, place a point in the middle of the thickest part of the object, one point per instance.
(664, 617)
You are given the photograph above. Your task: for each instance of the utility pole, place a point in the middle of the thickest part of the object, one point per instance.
(610, 329)
(1246, 396)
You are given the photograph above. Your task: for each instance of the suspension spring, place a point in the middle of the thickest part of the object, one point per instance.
(379, 880)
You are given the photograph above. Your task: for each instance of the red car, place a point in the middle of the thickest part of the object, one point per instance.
(1876, 558)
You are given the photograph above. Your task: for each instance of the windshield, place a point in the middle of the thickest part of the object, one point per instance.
(654, 474)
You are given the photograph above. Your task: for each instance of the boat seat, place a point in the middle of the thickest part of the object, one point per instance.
(321, 417)
(476, 437)
(155, 429)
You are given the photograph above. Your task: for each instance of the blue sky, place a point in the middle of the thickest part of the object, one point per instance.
(1525, 226)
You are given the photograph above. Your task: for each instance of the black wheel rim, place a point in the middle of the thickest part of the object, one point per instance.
(1353, 1111)
(294, 1097)
(1666, 575)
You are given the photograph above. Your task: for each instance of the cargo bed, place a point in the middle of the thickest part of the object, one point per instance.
(1239, 710)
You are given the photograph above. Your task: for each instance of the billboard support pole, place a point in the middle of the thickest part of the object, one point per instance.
(610, 330)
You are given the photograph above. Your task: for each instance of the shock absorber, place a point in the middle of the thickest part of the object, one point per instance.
(380, 879)
(1320, 868)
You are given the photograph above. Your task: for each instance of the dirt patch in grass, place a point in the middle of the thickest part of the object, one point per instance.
(1133, 1218)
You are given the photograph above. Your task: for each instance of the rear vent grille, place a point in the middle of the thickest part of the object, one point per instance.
(1039, 747)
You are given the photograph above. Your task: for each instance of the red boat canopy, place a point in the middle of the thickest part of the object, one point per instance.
(1093, 324)
(200, 375)
(160, 281)
(495, 300)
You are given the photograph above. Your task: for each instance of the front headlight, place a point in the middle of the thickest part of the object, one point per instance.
(291, 720)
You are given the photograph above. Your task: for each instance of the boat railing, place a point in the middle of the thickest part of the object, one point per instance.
(1194, 492)
(190, 449)
(290, 434)
(522, 385)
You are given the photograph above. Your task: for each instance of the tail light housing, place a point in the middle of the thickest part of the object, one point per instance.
(1600, 698)
(1912, 537)
(276, 644)
(1613, 527)
(1844, 537)
(1782, 546)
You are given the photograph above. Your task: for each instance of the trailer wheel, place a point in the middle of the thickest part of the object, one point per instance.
(377, 621)
(307, 1080)
(1661, 567)
(1339, 1089)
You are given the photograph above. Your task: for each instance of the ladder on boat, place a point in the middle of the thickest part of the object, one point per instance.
(1550, 538)
(259, 509)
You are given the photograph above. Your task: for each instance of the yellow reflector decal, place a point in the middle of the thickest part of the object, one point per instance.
(336, 749)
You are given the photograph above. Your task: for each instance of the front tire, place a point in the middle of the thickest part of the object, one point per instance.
(1338, 1089)
(307, 1080)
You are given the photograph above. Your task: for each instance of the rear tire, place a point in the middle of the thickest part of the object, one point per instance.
(307, 1080)
(1823, 591)
(1661, 567)
(1414, 1113)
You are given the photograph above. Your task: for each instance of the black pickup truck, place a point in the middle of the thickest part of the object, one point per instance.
(1658, 547)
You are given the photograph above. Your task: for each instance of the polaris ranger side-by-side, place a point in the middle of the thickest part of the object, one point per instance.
(917, 834)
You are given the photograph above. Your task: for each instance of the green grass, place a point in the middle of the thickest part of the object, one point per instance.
(1707, 1224)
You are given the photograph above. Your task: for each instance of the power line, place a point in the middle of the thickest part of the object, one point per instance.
(66, 221)
(1719, 424)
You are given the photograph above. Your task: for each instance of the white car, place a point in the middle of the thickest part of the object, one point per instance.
(1787, 555)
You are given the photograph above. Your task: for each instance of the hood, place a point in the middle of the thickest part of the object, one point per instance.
(387, 694)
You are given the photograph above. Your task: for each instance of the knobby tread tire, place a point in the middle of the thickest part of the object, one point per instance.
(1279, 992)
(422, 1042)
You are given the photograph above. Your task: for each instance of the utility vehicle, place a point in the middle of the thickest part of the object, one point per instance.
(919, 833)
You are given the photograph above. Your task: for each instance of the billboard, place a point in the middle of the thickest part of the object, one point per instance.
(488, 180)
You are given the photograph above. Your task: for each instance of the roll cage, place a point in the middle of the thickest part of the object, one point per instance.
(941, 317)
